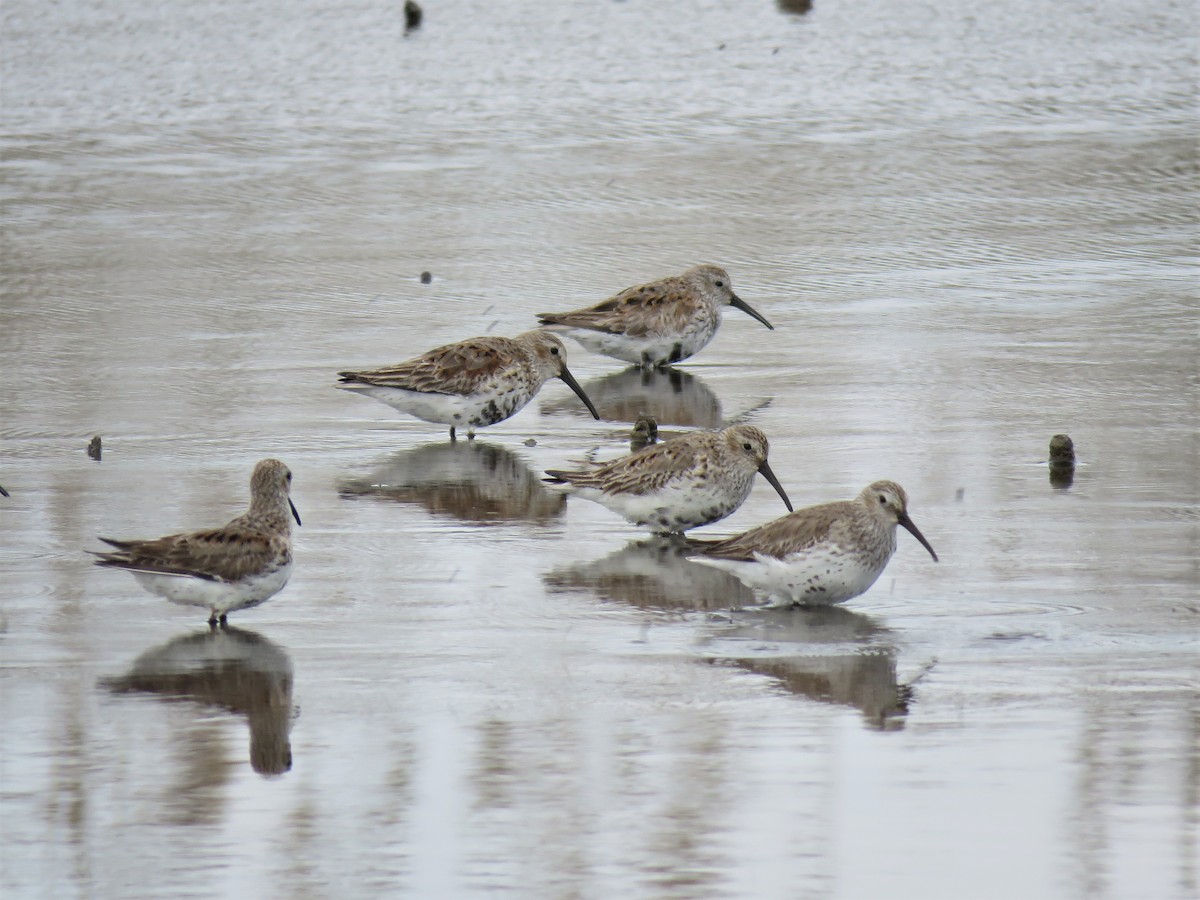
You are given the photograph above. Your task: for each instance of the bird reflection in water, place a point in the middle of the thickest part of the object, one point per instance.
(473, 481)
(654, 574)
(795, 7)
(671, 396)
(826, 653)
(228, 668)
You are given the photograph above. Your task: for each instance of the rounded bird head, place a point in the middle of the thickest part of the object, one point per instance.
(747, 443)
(886, 499)
(547, 351)
(549, 358)
(749, 446)
(713, 283)
(270, 489)
(889, 502)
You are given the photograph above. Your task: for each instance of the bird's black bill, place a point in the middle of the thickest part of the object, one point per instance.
(574, 385)
(295, 515)
(912, 529)
(738, 303)
(765, 471)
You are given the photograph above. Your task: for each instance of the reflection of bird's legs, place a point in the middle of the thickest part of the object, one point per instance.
(453, 438)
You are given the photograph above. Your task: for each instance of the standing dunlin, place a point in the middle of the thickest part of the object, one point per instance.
(821, 554)
(236, 566)
(659, 323)
(475, 383)
(682, 483)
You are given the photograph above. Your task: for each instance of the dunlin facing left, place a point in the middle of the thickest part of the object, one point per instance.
(658, 323)
(688, 481)
(821, 554)
(236, 566)
(476, 382)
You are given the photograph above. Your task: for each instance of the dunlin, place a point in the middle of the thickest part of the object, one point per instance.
(475, 383)
(682, 483)
(821, 554)
(236, 566)
(659, 323)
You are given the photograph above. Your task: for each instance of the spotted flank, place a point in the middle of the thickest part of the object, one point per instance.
(682, 483)
(471, 384)
(655, 324)
(821, 554)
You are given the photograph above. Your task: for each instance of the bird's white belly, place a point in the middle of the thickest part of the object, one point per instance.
(441, 409)
(652, 349)
(219, 596)
(478, 409)
(678, 506)
(813, 577)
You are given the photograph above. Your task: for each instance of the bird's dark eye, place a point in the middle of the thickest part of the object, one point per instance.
(747, 446)
(882, 499)
(720, 284)
(289, 476)
(554, 351)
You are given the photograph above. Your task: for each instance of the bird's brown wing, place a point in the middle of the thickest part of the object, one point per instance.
(635, 311)
(219, 554)
(642, 472)
(788, 534)
(453, 369)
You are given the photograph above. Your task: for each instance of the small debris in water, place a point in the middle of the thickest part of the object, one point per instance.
(645, 432)
(959, 494)
(530, 442)
(426, 278)
(796, 7)
(1062, 450)
(412, 15)
(1062, 461)
(94, 449)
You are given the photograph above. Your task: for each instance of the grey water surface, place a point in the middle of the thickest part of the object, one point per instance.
(973, 226)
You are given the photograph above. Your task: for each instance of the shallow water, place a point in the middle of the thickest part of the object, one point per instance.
(973, 229)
